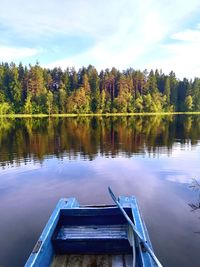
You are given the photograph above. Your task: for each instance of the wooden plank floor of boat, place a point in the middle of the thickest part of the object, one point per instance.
(92, 261)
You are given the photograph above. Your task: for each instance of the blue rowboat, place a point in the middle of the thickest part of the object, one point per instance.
(77, 235)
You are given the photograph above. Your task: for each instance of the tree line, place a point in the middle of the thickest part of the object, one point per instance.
(34, 90)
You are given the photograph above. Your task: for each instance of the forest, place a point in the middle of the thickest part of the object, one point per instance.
(36, 90)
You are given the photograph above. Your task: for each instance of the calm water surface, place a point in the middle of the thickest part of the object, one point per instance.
(153, 158)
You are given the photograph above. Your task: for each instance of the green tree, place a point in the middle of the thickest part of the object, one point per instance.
(94, 82)
(102, 102)
(49, 102)
(158, 102)
(152, 83)
(15, 89)
(147, 102)
(66, 81)
(188, 103)
(196, 94)
(73, 79)
(139, 104)
(123, 102)
(28, 108)
(5, 108)
(174, 90)
(62, 96)
(167, 91)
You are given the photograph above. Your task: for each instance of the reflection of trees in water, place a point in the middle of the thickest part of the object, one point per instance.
(22, 139)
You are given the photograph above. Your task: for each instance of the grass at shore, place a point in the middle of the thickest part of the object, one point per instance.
(23, 116)
(96, 114)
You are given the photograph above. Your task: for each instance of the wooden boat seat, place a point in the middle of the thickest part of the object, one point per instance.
(93, 231)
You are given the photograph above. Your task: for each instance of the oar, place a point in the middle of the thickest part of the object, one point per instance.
(144, 243)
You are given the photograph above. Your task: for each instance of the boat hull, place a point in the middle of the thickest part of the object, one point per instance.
(75, 230)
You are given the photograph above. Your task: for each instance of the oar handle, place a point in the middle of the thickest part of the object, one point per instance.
(146, 246)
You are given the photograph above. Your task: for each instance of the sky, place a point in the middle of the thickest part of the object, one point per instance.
(142, 34)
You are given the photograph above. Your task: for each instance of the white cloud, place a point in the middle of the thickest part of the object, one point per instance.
(182, 55)
(69, 17)
(94, 17)
(140, 30)
(13, 53)
(125, 44)
(123, 33)
(181, 179)
(188, 35)
(16, 168)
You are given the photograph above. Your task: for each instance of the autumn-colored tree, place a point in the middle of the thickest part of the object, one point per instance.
(78, 102)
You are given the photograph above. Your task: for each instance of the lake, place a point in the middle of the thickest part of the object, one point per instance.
(152, 157)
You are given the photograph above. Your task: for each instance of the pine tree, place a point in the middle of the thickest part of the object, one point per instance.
(49, 102)
(167, 90)
(174, 90)
(152, 83)
(62, 96)
(196, 94)
(15, 88)
(28, 109)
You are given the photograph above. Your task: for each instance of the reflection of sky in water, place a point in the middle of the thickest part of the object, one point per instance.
(28, 193)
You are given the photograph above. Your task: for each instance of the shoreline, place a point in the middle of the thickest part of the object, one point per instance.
(66, 115)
